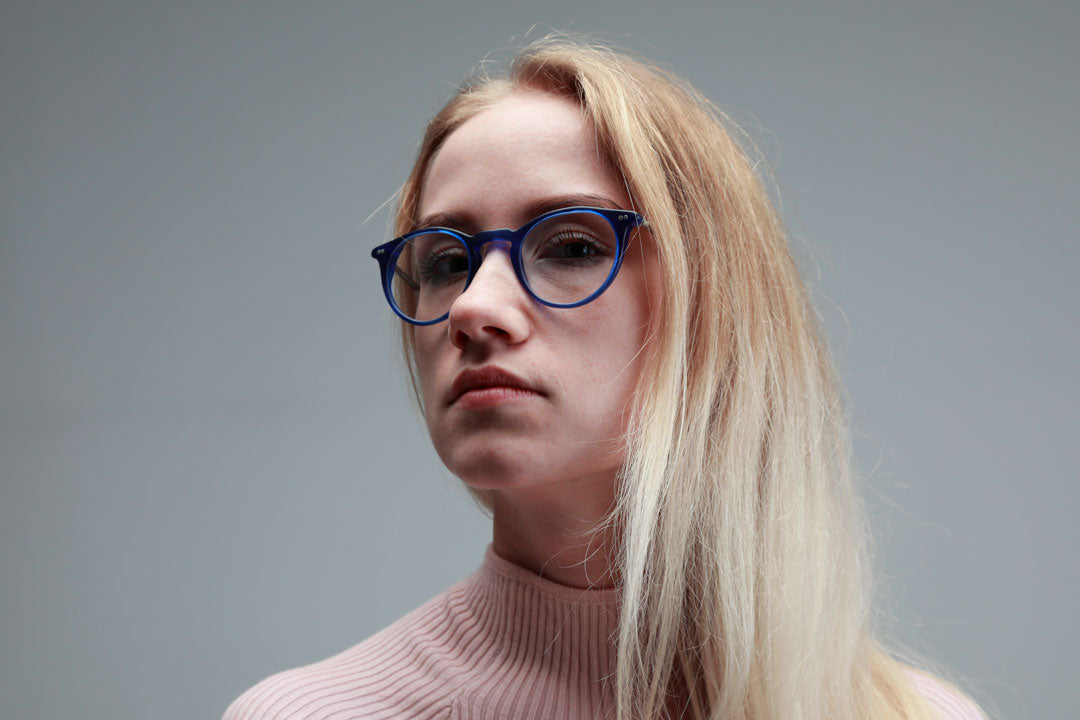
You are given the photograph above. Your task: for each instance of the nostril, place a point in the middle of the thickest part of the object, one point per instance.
(458, 339)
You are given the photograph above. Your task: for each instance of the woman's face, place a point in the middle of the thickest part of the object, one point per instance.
(550, 387)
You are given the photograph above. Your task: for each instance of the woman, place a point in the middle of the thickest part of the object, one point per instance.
(634, 383)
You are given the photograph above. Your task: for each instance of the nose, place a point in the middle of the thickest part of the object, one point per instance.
(494, 307)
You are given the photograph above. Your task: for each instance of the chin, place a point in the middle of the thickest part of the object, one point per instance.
(493, 458)
(490, 471)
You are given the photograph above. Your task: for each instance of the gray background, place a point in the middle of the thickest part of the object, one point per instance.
(211, 470)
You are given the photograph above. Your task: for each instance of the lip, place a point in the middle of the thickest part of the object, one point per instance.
(488, 385)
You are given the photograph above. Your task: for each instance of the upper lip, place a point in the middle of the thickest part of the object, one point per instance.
(485, 377)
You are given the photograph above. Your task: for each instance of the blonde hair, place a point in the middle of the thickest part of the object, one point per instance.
(744, 553)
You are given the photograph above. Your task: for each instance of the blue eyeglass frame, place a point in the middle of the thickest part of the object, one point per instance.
(621, 221)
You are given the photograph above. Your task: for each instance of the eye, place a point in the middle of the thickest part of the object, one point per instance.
(572, 246)
(436, 258)
(443, 266)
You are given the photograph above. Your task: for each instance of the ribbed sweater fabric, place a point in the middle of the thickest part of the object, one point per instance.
(503, 643)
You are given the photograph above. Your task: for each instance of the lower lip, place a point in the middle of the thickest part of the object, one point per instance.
(492, 396)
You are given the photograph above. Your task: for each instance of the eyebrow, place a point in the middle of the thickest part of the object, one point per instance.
(464, 222)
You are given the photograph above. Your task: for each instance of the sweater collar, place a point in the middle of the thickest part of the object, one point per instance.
(498, 566)
(538, 622)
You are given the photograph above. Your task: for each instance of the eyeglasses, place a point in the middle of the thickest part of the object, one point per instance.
(563, 259)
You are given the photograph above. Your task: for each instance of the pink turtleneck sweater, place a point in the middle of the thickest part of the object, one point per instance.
(503, 643)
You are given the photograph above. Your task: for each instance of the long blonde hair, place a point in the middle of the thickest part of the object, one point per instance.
(744, 553)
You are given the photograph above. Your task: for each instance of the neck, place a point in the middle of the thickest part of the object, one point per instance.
(558, 535)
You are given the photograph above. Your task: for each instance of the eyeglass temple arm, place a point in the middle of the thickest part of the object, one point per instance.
(408, 280)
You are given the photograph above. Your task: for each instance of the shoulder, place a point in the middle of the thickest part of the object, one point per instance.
(398, 672)
(949, 701)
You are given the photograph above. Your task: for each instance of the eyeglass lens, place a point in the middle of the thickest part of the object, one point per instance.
(565, 259)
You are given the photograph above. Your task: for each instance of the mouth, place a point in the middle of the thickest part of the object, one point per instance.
(486, 385)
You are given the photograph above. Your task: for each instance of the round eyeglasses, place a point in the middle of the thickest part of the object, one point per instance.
(563, 259)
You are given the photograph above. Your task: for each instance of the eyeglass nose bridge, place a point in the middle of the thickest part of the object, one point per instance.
(478, 243)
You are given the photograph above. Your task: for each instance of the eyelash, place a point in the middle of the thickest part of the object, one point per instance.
(597, 248)
(427, 267)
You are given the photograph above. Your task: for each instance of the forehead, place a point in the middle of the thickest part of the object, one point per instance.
(526, 148)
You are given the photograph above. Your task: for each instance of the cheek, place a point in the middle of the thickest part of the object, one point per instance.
(426, 343)
(627, 325)
(623, 340)
(609, 355)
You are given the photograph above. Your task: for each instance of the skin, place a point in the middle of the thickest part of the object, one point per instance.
(550, 455)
